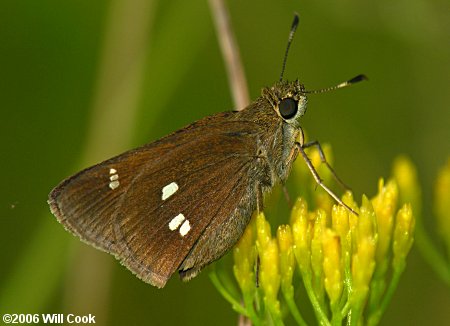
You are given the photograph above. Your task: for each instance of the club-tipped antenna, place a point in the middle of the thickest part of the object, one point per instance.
(291, 36)
(350, 82)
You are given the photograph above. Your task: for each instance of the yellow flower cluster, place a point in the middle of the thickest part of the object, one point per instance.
(343, 260)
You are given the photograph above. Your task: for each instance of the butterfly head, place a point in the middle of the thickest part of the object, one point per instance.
(288, 99)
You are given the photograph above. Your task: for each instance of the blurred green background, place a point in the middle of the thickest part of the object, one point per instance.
(83, 80)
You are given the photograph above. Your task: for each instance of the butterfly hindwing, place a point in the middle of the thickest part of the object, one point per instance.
(150, 206)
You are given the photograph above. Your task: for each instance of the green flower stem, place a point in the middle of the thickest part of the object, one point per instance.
(260, 308)
(274, 311)
(227, 295)
(378, 285)
(288, 293)
(347, 280)
(346, 309)
(319, 292)
(320, 314)
(344, 302)
(374, 317)
(430, 253)
(356, 313)
(336, 316)
(250, 304)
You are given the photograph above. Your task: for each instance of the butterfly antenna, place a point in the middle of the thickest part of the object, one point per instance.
(350, 82)
(291, 36)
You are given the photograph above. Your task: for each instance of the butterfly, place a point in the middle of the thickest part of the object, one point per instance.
(181, 202)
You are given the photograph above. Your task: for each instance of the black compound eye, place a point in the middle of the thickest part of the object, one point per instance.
(288, 108)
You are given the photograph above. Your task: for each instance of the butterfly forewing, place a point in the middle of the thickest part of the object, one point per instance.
(151, 205)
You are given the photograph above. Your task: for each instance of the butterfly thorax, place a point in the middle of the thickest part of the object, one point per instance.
(276, 113)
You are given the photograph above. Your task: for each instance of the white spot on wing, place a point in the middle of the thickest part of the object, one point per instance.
(185, 228)
(114, 178)
(169, 190)
(176, 222)
(114, 184)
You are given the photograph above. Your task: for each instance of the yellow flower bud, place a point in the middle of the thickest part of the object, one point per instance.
(262, 231)
(321, 198)
(301, 232)
(300, 209)
(366, 226)
(347, 198)
(287, 259)
(332, 266)
(442, 203)
(385, 204)
(363, 259)
(244, 254)
(404, 172)
(403, 235)
(269, 270)
(320, 223)
(363, 264)
(269, 274)
(340, 222)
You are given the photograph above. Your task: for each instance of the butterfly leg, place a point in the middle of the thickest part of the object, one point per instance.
(259, 209)
(323, 159)
(319, 180)
(257, 268)
(286, 195)
(259, 199)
